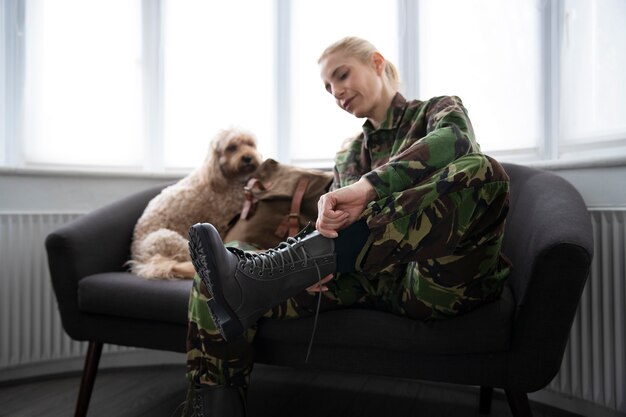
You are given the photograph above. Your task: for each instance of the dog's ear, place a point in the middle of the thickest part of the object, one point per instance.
(214, 176)
(215, 147)
(211, 170)
(217, 181)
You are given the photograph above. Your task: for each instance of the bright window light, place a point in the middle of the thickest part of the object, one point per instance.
(144, 85)
(82, 101)
(488, 52)
(593, 89)
(318, 126)
(218, 73)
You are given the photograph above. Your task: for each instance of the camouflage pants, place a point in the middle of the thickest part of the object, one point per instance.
(433, 252)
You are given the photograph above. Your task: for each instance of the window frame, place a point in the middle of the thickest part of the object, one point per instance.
(11, 82)
(550, 150)
(153, 141)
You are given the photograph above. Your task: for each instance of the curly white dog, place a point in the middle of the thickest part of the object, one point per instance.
(212, 193)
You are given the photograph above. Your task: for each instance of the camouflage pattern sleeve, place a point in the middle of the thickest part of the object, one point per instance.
(429, 137)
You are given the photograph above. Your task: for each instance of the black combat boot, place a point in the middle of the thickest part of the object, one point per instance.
(218, 401)
(245, 286)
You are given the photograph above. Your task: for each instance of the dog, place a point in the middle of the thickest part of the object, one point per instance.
(212, 193)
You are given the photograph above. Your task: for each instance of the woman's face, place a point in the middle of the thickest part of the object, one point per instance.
(356, 86)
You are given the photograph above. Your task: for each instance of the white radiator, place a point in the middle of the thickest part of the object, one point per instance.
(594, 365)
(30, 325)
(593, 370)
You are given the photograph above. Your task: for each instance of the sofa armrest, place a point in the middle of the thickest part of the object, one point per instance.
(550, 241)
(94, 243)
(544, 319)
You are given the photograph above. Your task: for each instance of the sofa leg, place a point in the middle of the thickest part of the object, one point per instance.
(89, 377)
(518, 402)
(484, 406)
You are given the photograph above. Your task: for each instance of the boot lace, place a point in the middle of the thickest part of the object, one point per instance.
(275, 258)
(282, 256)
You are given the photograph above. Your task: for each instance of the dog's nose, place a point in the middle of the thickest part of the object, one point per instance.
(246, 159)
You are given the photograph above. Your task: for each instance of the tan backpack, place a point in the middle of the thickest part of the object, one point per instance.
(280, 200)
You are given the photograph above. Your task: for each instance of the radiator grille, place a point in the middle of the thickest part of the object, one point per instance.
(30, 325)
(594, 365)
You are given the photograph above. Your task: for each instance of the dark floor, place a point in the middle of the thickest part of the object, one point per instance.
(157, 391)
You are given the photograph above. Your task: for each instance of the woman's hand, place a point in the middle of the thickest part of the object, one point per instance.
(320, 287)
(340, 208)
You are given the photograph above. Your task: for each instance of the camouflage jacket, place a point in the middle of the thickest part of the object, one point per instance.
(416, 139)
(438, 222)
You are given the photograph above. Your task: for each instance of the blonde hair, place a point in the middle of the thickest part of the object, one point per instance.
(363, 51)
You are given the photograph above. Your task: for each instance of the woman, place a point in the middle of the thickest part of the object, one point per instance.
(413, 225)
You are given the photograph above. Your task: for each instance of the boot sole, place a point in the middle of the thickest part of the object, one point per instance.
(203, 261)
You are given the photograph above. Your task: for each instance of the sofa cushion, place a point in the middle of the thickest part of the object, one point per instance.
(484, 330)
(126, 295)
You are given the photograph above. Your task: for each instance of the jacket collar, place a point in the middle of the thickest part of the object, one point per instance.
(393, 118)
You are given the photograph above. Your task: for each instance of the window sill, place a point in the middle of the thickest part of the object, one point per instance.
(95, 173)
(552, 165)
(579, 163)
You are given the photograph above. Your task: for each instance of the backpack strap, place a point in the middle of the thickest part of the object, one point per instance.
(291, 223)
(250, 199)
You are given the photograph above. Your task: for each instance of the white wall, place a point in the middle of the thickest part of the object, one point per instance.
(42, 191)
(601, 185)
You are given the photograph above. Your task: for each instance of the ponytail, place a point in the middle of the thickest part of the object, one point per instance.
(362, 50)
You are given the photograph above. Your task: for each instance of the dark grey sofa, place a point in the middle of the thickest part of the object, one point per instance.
(515, 343)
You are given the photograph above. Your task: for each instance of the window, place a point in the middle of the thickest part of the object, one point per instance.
(218, 72)
(593, 75)
(82, 83)
(143, 85)
(492, 61)
(318, 125)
